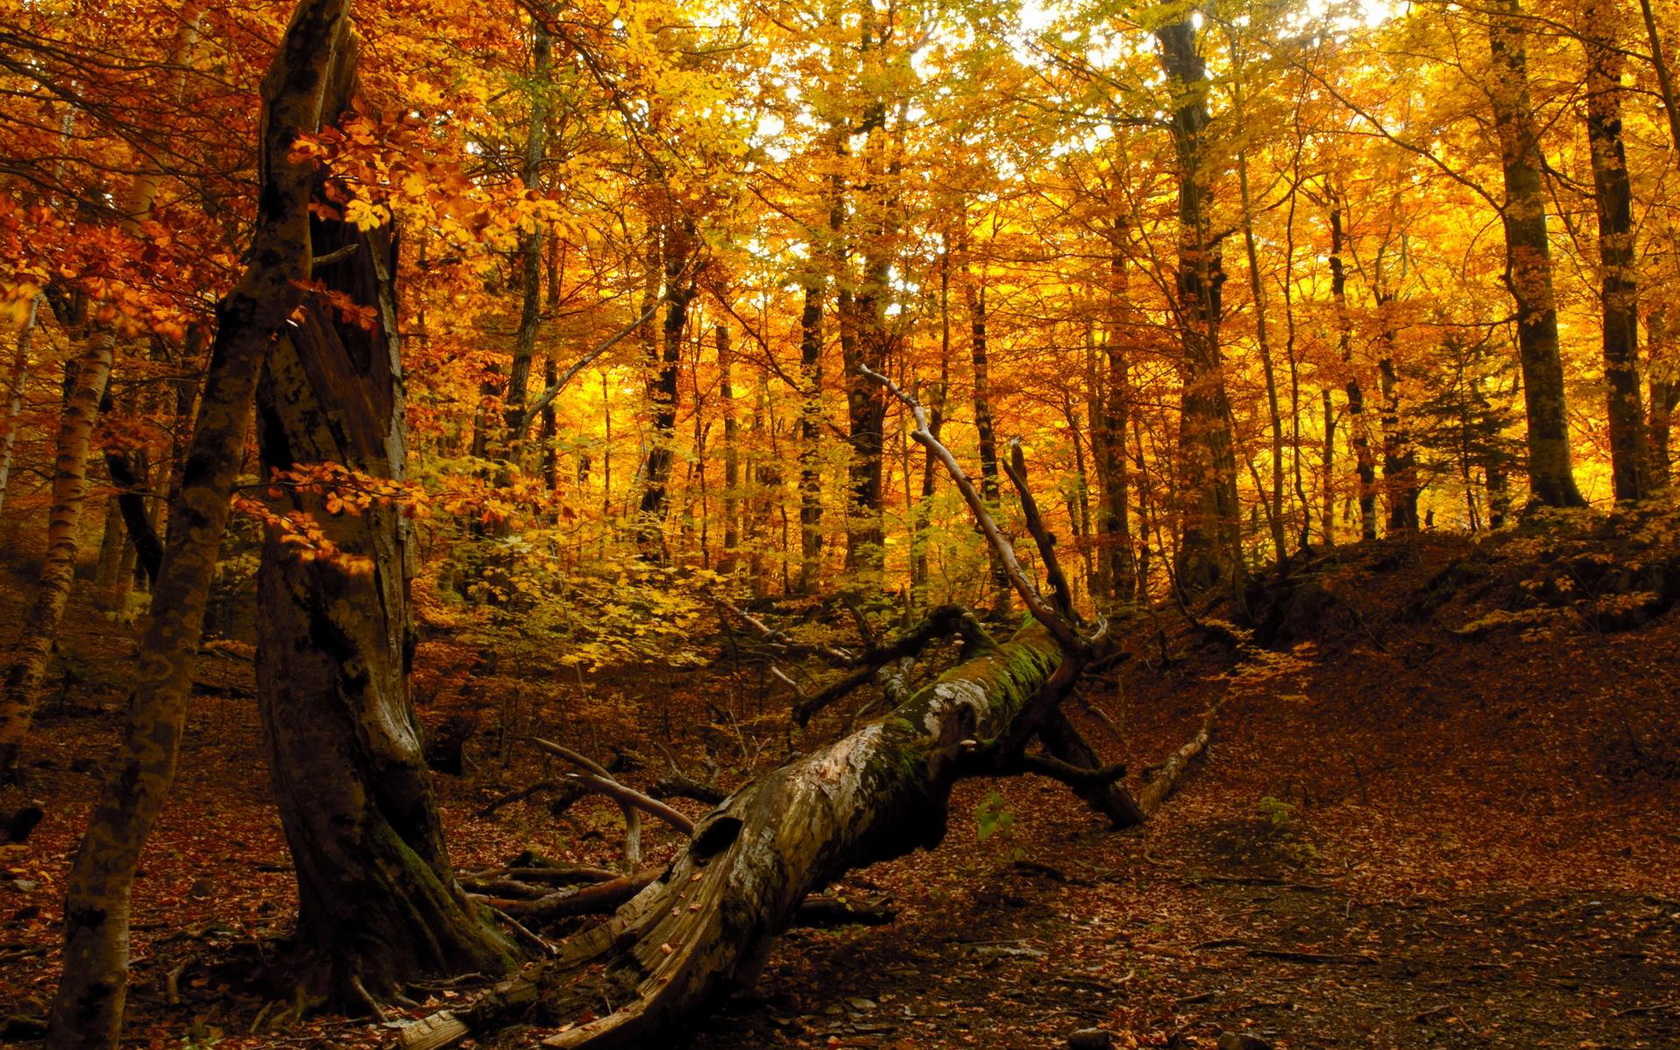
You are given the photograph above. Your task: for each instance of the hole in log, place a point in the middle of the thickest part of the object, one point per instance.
(714, 837)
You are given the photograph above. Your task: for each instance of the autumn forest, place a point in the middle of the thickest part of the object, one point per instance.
(915, 524)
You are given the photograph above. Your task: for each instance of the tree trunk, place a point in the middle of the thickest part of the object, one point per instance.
(656, 469)
(309, 79)
(1665, 394)
(1400, 468)
(14, 400)
(810, 438)
(1113, 410)
(1263, 343)
(1358, 424)
(934, 397)
(378, 901)
(1528, 264)
(703, 928)
(1618, 275)
(22, 682)
(1210, 544)
(731, 452)
(974, 295)
(530, 246)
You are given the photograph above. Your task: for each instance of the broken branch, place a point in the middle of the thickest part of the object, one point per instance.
(1060, 629)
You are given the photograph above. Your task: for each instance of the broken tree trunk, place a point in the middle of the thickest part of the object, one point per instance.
(703, 928)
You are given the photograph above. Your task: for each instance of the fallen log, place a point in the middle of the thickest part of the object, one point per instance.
(1155, 793)
(702, 929)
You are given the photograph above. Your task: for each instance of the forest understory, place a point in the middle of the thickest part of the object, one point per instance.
(1439, 809)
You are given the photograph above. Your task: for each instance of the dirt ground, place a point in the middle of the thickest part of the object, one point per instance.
(1403, 835)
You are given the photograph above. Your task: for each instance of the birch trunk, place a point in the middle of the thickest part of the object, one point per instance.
(21, 685)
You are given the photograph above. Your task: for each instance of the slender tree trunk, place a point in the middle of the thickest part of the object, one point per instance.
(1528, 264)
(530, 245)
(1400, 480)
(14, 399)
(1665, 77)
(1358, 423)
(1256, 288)
(731, 452)
(20, 687)
(1327, 511)
(1618, 276)
(810, 438)
(309, 78)
(1114, 515)
(1210, 544)
(935, 401)
(1665, 394)
(974, 295)
(378, 901)
(656, 468)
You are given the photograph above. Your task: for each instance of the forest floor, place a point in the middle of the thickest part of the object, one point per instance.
(1441, 809)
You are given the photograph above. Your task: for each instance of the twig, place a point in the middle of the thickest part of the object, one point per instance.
(629, 796)
(781, 638)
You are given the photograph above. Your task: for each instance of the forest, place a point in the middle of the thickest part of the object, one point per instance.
(875, 523)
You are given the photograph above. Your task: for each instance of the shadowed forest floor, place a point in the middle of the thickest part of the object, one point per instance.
(1405, 834)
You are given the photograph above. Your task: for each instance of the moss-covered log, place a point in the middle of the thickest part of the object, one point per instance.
(703, 928)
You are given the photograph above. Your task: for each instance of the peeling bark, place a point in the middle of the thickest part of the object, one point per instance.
(703, 928)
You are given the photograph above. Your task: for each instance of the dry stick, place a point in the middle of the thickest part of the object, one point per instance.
(1156, 792)
(1060, 629)
(1016, 468)
(628, 798)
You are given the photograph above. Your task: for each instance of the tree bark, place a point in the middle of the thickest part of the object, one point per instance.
(1210, 543)
(18, 379)
(703, 928)
(1618, 275)
(662, 392)
(1113, 409)
(1528, 263)
(530, 245)
(731, 452)
(1263, 343)
(1358, 424)
(974, 296)
(810, 437)
(1665, 394)
(308, 81)
(21, 685)
(378, 901)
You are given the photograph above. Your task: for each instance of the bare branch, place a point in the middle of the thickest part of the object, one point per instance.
(1016, 468)
(596, 776)
(1060, 629)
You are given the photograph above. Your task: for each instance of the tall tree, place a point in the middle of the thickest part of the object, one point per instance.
(1618, 275)
(1528, 260)
(1210, 540)
(308, 85)
(379, 905)
(21, 685)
